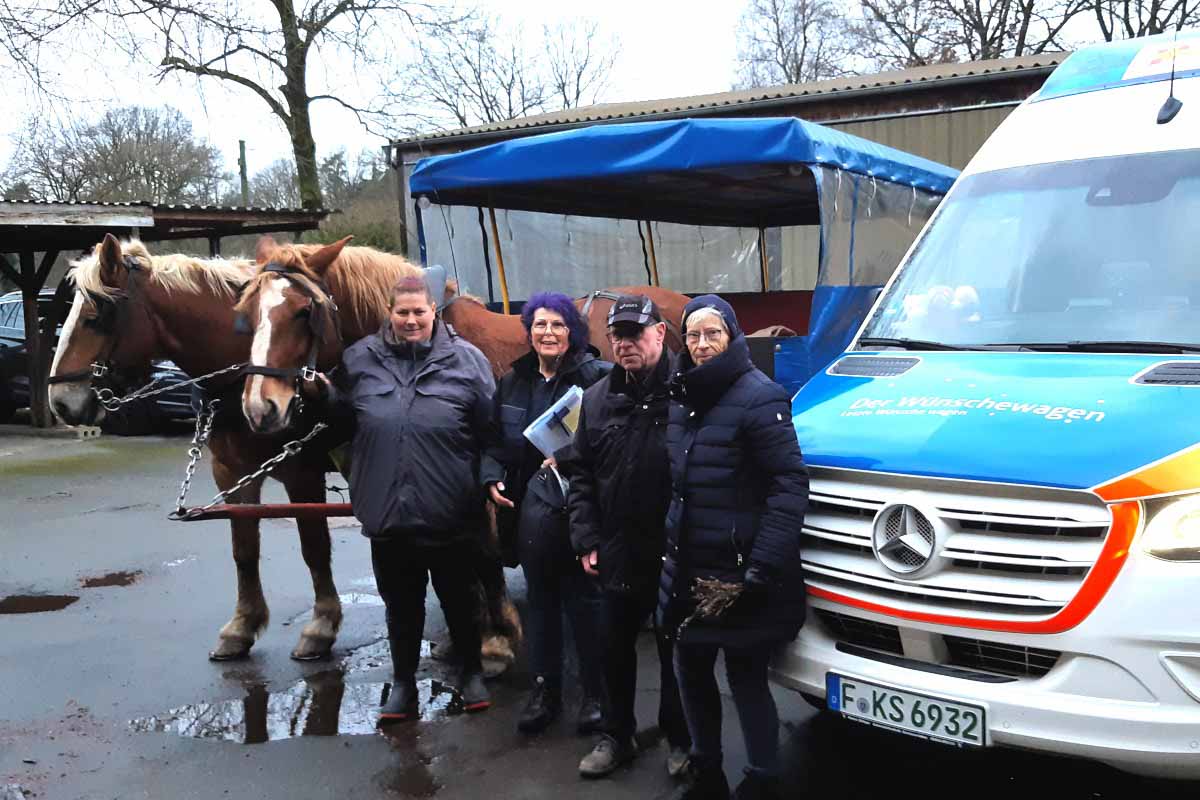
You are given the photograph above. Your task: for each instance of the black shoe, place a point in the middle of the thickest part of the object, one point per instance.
(756, 786)
(591, 717)
(474, 694)
(541, 708)
(701, 782)
(401, 703)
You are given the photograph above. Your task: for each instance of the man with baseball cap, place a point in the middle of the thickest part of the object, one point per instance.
(618, 497)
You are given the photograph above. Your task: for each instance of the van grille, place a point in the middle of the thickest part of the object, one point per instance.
(1004, 552)
(862, 632)
(1005, 659)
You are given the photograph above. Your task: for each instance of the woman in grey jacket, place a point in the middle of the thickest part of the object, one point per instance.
(421, 398)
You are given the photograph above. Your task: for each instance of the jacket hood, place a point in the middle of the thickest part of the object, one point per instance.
(705, 300)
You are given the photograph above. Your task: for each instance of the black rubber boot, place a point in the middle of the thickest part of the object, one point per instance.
(757, 785)
(542, 707)
(401, 703)
(591, 716)
(702, 781)
(474, 694)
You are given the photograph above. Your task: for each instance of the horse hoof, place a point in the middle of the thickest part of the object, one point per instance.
(229, 651)
(494, 668)
(309, 650)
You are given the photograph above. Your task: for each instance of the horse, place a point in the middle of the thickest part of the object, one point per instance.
(503, 339)
(131, 307)
(303, 311)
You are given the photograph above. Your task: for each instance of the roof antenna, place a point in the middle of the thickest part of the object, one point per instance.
(1172, 105)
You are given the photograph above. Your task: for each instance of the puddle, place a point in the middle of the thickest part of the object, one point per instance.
(322, 704)
(124, 578)
(35, 603)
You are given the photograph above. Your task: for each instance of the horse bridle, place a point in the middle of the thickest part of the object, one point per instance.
(109, 311)
(316, 323)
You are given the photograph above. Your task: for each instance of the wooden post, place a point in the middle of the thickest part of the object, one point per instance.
(762, 258)
(499, 260)
(39, 396)
(214, 246)
(653, 257)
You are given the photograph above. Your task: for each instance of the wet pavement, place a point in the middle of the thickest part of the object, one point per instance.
(107, 611)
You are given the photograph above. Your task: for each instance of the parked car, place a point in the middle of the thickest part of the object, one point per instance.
(134, 419)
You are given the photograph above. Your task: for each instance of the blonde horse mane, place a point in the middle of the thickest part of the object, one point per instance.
(175, 272)
(366, 277)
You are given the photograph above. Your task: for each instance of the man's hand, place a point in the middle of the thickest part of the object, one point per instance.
(590, 562)
(495, 492)
(550, 462)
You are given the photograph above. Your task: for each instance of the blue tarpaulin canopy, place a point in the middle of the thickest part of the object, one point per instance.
(726, 172)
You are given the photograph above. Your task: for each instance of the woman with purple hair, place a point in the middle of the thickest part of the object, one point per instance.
(530, 503)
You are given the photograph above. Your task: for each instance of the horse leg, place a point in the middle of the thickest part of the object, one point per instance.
(251, 615)
(501, 631)
(318, 635)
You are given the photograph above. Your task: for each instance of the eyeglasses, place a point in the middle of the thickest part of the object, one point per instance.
(709, 335)
(629, 335)
(541, 326)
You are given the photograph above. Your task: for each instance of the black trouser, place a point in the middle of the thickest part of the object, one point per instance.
(402, 573)
(626, 614)
(746, 669)
(553, 587)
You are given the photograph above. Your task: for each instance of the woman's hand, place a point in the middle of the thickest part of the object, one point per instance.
(495, 492)
(590, 563)
(550, 462)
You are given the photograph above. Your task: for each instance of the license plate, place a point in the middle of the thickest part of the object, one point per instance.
(915, 714)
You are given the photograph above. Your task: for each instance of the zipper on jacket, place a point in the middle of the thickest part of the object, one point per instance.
(733, 541)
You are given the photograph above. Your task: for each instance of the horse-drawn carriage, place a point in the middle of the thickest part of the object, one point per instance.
(794, 223)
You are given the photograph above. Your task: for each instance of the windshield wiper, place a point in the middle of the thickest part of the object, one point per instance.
(910, 344)
(1116, 346)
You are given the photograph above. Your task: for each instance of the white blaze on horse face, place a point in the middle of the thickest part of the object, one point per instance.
(270, 298)
(71, 397)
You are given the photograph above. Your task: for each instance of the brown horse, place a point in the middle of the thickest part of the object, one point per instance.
(131, 307)
(303, 310)
(503, 339)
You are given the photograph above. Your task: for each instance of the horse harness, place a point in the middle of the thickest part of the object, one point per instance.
(109, 313)
(316, 324)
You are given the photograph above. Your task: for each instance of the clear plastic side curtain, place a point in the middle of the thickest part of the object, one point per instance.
(576, 255)
(867, 225)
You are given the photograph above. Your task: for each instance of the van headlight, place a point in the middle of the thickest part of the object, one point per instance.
(1173, 533)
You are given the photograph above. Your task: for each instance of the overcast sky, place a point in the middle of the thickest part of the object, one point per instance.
(668, 48)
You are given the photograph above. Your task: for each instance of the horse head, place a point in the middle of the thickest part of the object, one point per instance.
(291, 315)
(108, 330)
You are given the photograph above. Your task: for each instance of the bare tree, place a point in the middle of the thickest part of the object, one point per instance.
(264, 47)
(275, 186)
(791, 41)
(478, 71)
(908, 33)
(130, 153)
(1126, 19)
(899, 34)
(579, 63)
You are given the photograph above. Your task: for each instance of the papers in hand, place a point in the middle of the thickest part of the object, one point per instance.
(555, 427)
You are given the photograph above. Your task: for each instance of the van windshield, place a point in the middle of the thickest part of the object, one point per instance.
(1094, 254)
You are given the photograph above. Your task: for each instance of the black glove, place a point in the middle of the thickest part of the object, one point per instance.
(759, 579)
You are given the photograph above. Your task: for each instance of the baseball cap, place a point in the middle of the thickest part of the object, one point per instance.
(635, 308)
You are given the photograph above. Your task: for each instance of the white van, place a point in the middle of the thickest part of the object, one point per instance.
(1003, 541)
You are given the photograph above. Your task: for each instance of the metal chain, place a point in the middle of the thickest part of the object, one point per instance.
(204, 422)
(110, 401)
(290, 449)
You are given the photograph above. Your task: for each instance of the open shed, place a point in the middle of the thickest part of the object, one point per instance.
(37, 232)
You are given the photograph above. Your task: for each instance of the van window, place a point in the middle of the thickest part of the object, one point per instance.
(1091, 250)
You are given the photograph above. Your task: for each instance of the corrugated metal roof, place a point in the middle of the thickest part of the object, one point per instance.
(178, 207)
(713, 103)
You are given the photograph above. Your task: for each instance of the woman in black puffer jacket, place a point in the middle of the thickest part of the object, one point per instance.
(740, 490)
